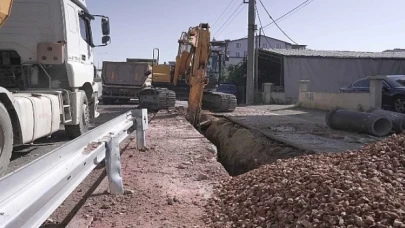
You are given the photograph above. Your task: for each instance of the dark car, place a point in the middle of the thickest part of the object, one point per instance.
(227, 88)
(393, 94)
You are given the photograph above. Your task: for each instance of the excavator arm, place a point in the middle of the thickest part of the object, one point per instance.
(5, 9)
(191, 63)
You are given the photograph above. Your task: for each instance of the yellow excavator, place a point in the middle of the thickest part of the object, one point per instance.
(5, 8)
(190, 70)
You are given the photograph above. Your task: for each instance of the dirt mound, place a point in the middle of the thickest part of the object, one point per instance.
(241, 150)
(362, 188)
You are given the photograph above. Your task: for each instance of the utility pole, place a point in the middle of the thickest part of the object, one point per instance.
(251, 53)
(258, 43)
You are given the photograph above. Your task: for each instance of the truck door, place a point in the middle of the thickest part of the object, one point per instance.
(79, 52)
(86, 51)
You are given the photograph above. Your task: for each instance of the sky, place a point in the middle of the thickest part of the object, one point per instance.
(138, 26)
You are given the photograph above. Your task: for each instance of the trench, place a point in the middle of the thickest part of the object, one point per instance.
(241, 150)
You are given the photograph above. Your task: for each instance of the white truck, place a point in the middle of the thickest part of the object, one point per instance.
(46, 71)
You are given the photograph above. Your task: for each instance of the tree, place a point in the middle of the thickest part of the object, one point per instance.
(236, 74)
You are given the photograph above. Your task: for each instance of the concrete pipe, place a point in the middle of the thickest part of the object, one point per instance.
(397, 119)
(368, 123)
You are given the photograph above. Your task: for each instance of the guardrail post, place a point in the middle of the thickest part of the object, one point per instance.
(113, 166)
(141, 116)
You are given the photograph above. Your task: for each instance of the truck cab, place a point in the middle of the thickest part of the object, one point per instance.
(47, 76)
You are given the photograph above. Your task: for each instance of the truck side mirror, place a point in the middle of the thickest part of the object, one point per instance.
(106, 40)
(105, 26)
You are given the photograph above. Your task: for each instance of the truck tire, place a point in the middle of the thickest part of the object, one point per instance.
(74, 131)
(6, 139)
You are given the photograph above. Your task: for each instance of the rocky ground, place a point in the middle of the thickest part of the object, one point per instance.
(166, 185)
(361, 188)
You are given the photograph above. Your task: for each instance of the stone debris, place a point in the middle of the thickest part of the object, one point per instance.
(361, 188)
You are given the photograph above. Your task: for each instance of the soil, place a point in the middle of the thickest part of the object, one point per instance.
(241, 150)
(166, 185)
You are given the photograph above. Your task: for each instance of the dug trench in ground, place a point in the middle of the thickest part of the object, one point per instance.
(240, 149)
(169, 184)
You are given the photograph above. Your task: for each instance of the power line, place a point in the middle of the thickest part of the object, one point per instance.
(223, 12)
(305, 3)
(261, 26)
(276, 22)
(219, 31)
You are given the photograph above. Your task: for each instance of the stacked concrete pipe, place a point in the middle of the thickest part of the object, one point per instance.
(362, 122)
(397, 119)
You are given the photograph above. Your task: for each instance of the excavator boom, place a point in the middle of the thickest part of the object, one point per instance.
(5, 9)
(199, 39)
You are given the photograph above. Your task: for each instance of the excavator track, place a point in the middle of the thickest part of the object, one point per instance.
(219, 102)
(155, 99)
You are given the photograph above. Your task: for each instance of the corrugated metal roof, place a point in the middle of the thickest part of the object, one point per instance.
(337, 54)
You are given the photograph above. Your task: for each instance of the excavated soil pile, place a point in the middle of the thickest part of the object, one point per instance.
(362, 188)
(241, 150)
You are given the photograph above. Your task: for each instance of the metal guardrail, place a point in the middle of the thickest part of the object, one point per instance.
(32, 193)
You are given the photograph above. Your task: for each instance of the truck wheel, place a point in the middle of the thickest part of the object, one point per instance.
(75, 131)
(6, 139)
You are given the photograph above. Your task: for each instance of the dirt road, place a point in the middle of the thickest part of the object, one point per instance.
(166, 185)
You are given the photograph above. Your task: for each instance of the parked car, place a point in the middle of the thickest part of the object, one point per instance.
(227, 88)
(393, 94)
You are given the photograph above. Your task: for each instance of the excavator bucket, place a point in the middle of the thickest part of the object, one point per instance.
(5, 9)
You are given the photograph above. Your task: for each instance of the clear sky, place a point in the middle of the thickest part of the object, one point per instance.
(138, 26)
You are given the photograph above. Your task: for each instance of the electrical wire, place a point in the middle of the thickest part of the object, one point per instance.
(219, 31)
(276, 22)
(261, 26)
(305, 3)
(223, 12)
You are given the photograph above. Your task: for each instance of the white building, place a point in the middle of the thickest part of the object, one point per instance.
(237, 49)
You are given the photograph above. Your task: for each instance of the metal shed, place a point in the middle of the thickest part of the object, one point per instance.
(327, 70)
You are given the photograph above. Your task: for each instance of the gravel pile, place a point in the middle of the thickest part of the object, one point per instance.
(362, 188)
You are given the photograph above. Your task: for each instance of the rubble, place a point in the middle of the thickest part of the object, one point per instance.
(361, 188)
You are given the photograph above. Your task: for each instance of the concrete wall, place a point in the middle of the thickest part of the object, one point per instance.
(352, 101)
(327, 101)
(271, 97)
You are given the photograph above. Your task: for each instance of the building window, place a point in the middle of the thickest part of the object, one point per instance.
(237, 54)
(264, 46)
(278, 46)
(238, 45)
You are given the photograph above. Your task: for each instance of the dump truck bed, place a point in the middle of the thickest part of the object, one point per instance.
(125, 73)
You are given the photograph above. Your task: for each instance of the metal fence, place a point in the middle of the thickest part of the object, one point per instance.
(31, 194)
